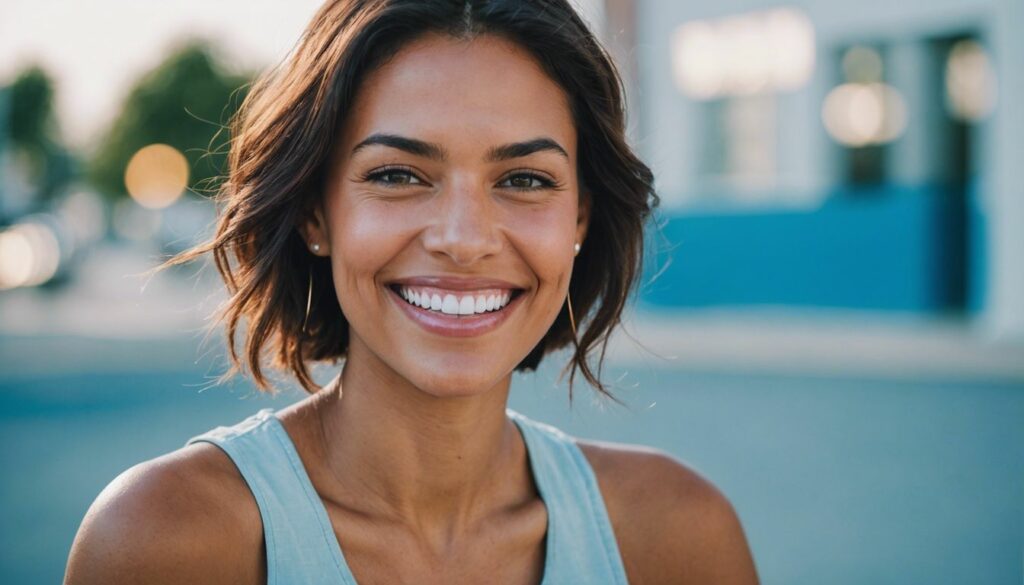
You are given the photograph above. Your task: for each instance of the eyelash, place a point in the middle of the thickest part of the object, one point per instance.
(377, 177)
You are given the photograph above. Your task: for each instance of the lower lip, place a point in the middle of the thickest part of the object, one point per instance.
(456, 325)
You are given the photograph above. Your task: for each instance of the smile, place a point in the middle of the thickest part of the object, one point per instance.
(455, 311)
(455, 302)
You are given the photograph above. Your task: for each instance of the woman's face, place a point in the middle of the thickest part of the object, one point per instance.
(451, 213)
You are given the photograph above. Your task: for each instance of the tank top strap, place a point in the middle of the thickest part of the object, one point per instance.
(581, 545)
(301, 544)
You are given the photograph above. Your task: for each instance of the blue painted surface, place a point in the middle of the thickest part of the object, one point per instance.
(886, 248)
(977, 236)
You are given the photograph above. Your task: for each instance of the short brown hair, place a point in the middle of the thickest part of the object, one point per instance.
(282, 138)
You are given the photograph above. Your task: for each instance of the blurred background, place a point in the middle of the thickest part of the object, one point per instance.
(831, 324)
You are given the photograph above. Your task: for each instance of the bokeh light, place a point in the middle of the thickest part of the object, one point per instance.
(695, 73)
(29, 255)
(970, 82)
(792, 43)
(156, 176)
(859, 114)
(745, 54)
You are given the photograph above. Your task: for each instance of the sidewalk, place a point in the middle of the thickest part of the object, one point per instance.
(110, 317)
(818, 342)
(110, 298)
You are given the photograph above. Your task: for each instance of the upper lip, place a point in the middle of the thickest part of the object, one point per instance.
(455, 282)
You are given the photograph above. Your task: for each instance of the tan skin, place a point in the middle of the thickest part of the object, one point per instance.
(424, 478)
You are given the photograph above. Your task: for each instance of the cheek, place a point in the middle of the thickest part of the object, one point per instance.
(363, 239)
(545, 239)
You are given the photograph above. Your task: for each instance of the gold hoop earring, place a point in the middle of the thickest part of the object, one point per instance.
(572, 321)
(309, 300)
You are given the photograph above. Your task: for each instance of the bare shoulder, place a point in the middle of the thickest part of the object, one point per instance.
(672, 524)
(184, 517)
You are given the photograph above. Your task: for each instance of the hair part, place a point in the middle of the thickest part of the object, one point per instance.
(281, 148)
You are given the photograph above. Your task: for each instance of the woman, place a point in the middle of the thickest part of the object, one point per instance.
(435, 191)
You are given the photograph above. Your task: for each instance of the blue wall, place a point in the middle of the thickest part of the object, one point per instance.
(890, 248)
(977, 238)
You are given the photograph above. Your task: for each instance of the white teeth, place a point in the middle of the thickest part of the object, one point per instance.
(450, 306)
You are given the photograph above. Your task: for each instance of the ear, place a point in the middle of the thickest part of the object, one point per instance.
(583, 217)
(313, 229)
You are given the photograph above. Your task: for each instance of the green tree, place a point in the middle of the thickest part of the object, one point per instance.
(185, 102)
(33, 131)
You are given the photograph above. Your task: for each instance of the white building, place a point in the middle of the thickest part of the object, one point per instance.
(922, 210)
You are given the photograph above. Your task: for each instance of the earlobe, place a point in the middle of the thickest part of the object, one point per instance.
(313, 232)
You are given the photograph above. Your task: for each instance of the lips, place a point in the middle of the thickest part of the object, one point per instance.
(457, 283)
(456, 307)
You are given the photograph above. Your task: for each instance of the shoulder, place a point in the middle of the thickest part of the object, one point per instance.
(187, 516)
(671, 523)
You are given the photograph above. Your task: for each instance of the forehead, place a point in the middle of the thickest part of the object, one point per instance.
(465, 94)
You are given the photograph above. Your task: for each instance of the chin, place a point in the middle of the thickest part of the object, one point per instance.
(450, 378)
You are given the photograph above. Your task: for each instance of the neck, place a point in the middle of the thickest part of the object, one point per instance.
(436, 464)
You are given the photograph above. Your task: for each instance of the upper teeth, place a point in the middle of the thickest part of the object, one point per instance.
(450, 304)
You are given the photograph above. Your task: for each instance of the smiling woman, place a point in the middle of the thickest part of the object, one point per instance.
(438, 193)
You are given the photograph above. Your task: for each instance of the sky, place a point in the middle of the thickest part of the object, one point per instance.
(96, 49)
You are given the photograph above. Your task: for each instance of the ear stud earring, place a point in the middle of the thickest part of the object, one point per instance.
(576, 248)
(315, 248)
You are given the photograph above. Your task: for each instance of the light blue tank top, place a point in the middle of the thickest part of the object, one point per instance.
(302, 547)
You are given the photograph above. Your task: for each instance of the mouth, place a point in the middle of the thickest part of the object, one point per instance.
(456, 302)
(453, 311)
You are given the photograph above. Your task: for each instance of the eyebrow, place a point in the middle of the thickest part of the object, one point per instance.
(436, 152)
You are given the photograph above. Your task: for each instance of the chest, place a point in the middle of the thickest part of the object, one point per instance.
(507, 549)
(392, 566)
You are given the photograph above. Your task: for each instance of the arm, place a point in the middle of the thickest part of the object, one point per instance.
(673, 526)
(159, 523)
(708, 537)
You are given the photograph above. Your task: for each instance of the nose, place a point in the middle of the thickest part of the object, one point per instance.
(464, 226)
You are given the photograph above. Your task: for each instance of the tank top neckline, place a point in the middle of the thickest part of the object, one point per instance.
(328, 529)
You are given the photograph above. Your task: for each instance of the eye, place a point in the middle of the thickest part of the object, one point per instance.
(393, 177)
(528, 182)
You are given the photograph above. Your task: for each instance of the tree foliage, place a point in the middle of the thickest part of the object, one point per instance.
(33, 131)
(185, 102)
(31, 110)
